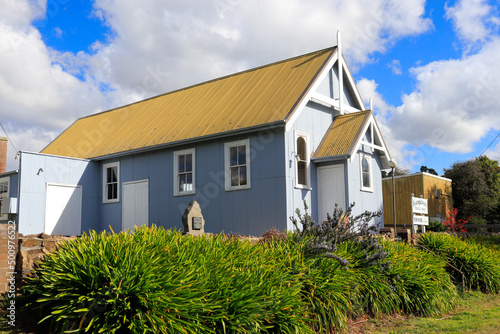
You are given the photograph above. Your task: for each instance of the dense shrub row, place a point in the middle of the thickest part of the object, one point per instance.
(473, 263)
(158, 281)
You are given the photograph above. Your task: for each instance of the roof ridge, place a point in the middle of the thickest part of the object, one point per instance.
(318, 52)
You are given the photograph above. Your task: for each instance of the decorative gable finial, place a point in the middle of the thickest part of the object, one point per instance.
(341, 75)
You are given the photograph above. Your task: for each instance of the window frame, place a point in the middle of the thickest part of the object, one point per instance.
(227, 164)
(307, 186)
(370, 171)
(105, 168)
(5, 217)
(177, 154)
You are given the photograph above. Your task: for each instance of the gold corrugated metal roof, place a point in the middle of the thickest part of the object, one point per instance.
(341, 135)
(260, 96)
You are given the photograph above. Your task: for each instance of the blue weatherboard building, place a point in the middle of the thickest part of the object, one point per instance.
(249, 147)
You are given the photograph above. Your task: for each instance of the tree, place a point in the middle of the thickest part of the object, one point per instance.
(476, 189)
(424, 169)
(397, 171)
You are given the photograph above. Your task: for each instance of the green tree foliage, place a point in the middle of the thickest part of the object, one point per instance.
(398, 171)
(476, 189)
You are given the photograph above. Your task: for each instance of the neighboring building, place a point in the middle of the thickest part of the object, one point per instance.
(436, 189)
(249, 147)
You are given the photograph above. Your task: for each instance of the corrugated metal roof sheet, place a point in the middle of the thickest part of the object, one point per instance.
(341, 135)
(256, 97)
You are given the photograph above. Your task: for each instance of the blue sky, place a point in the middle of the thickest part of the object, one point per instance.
(430, 66)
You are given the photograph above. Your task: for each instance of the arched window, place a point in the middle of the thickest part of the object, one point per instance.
(366, 172)
(302, 158)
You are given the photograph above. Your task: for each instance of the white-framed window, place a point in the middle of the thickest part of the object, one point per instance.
(184, 172)
(302, 158)
(4, 193)
(111, 182)
(237, 164)
(366, 172)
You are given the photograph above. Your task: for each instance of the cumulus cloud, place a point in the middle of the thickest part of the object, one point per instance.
(156, 46)
(192, 41)
(473, 20)
(453, 107)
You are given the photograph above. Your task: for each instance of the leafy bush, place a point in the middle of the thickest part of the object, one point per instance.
(419, 279)
(346, 267)
(157, 281)
(436, 226)
(471, 265)
(323, 239)
(456, 225)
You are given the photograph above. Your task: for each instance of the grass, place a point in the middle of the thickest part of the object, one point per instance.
(477, 313)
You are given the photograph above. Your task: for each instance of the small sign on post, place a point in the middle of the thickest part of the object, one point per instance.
(420, 220)
(419, 206)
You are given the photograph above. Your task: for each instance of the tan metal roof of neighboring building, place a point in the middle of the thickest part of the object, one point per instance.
(264, 95)
(342, 134)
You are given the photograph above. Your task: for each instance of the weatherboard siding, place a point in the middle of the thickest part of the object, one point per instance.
(37, 171)
(313, 120)
(365, 200)
(248, 211)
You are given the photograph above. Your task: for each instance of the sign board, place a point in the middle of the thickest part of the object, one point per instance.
(419, 205)
(420, 220)
(435, 219)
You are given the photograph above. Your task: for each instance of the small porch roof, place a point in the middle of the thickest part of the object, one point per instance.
(346, 134)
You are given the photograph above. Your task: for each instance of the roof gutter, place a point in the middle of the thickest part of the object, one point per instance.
(331, 158)
(267, 126)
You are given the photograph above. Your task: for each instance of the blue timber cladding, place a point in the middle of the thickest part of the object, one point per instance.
(314, 120)
(248, 212)
(365, 200)
(37, 170)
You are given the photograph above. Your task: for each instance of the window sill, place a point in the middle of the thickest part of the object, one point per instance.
(187, 193)
(238, 188)
(301, 187)
(111, 201)
(367, 190)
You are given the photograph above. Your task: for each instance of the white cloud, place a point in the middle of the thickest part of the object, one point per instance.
(395, 67)
(494, 152)
(157, 46)
(453, 107)
(20, 13)
(473, 20)
(192, 41)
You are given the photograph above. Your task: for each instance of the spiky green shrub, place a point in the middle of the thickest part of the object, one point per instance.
(104, 283)
(473, 266)
(419, 279)
(157, 281)
(487, 240)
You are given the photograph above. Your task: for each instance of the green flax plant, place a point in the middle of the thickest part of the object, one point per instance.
(157, 281)
(117, 283)
(420, 280)
(346, 268)
(472, 265)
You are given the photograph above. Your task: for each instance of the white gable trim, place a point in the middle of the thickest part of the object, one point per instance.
(372, 126)
(312, 94)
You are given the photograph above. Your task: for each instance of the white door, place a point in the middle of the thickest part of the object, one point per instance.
(63, 209)
(135, 206)
(331, 189)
